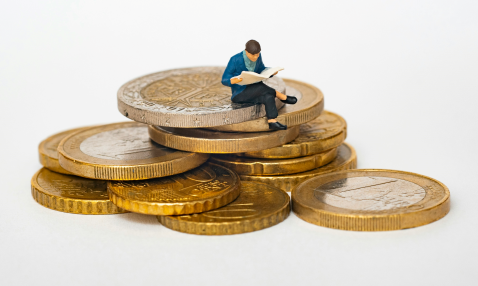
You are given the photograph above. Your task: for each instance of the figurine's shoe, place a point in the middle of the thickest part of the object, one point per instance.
(277, 126)
(290, 100)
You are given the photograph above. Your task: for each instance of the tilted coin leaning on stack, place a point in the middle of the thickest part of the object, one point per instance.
(204, 165)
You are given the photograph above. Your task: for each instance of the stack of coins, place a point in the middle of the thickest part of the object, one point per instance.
(204, 165)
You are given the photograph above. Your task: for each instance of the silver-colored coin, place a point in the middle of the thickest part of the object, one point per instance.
(188, 98)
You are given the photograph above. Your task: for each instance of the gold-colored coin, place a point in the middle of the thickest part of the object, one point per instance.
(209, 141)
(309, 105)
(48, 151)
(371, 200)
(72, 194)
(254, 166)
(258, 206)
(346, 159)
(202, 189)
(122, 151)
(326, 132)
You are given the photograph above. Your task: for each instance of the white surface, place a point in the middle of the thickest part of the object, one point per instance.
(402, 73)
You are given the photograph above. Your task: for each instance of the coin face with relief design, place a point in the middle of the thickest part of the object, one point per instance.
(258, 206)
(72, 194)
(207, 187)
(188, 98)
(371, 200)
(122, 151)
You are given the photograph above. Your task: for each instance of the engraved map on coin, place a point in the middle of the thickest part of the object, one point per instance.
(202, 182)
(130, 143)
(370, 193)
(68, 186)
(190, 90)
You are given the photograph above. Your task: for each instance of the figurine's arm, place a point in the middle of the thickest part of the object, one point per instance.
(228, 74)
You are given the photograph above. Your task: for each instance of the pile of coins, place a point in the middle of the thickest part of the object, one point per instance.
(205, 165)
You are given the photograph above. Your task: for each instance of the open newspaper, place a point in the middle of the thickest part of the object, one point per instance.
(252, 77)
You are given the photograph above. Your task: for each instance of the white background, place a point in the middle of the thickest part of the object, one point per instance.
(402, 73)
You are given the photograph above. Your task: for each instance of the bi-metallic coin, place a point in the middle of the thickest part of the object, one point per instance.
(371, 200)
(188, 98)
(122, 151)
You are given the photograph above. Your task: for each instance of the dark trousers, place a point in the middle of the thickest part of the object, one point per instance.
(259, 93)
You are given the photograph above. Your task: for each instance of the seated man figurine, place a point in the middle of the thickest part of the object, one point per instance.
(250, 60)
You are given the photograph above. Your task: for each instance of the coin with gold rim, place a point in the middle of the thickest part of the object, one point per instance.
(326, 132)
(207, 187)
(122, 151)
(209, 141)
(258, 166)
(258, 206)
(371, 200)
(72, 194)
(48, 151)
(309, 105)
(346, 159)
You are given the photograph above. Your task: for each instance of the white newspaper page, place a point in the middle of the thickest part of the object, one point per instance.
(252, 77)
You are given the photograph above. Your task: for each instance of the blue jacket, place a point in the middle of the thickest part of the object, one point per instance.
(234, 68)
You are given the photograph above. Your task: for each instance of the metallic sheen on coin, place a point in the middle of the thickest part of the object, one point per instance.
(209, 141)
(309, 105)
(202, 189)
(346, 159)
(258, 206)
(371, 200)
(253, 166)
(72, 194)
(326, 132)
(122, 151)
(188, 98)
(48, 151)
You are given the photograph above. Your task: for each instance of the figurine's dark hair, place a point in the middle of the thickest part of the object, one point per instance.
(253, 47)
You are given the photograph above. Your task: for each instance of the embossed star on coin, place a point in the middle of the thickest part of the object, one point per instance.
(207, 187)
(71, 194)
(371, 200)
(258, 206)
(122, 151)
(188, 98)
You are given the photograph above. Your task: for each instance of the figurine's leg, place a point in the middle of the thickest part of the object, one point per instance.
(281, 96)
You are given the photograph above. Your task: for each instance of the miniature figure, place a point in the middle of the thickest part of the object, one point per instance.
(250, 60)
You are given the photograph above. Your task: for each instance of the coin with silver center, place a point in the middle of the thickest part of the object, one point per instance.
(122, 151)
(187, 98)
(371, 200)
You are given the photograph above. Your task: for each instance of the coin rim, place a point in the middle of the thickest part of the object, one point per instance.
(54, 202)
(141, 171)
(50, 162)
(186, 120)
(222, 146)
(254, 167)
(231, 227)
(294, 118)
(295, 150)
(179, 208)
(286, 182)
(370, 222)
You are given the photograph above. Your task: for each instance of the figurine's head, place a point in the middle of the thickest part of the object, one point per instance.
(253, 50)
